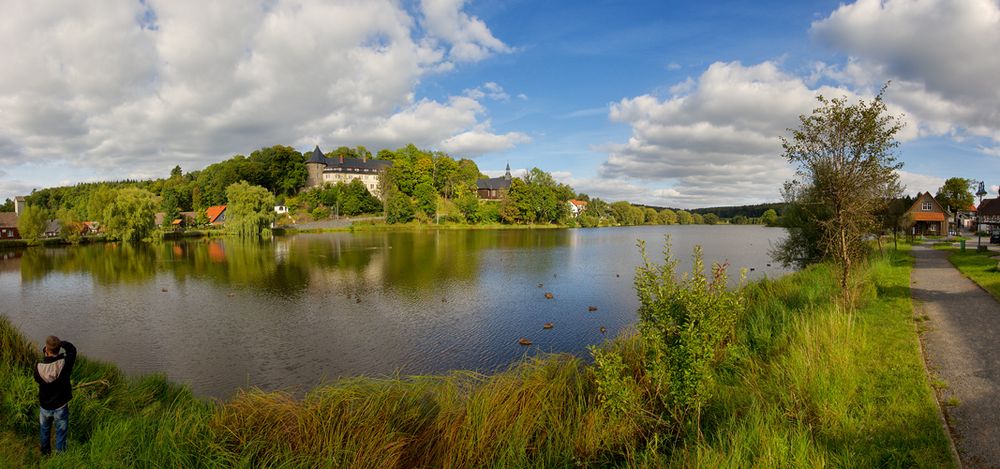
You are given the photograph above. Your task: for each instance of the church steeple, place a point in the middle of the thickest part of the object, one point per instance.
(507, 174)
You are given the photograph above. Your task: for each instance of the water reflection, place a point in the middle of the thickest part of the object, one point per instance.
(301, 309)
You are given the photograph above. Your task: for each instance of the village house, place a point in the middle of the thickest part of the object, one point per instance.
(8, 226)
(52, 229)
(494, 188)
(988, 215)
(927, 216)
(321, 170)
(91, 227)
(183, 219)
(216, 214)
(967, 217)
(576, 207)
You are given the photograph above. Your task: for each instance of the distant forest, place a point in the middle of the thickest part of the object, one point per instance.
(727, 212)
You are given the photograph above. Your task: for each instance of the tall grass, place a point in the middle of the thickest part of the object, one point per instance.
(809, 384)
(803, 383)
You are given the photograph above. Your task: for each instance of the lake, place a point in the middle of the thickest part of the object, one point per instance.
(218, 314)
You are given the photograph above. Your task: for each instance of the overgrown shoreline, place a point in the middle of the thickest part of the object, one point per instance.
(802, 383)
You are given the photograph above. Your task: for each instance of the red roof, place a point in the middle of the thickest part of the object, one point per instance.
(8, 219)
(214, 211)
(928, 216)
(578, 203)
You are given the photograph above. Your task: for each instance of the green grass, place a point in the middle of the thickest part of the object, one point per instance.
(979, 267)
(808, 384)
(804, 383)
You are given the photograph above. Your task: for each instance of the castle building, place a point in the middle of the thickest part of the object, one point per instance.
(494, 188)
(322, 170)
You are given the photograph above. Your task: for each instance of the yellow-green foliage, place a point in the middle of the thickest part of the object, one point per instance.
(130, 215)
(250, 210)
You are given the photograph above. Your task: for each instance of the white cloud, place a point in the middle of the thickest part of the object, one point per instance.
(716, 141)
(941, 55)
(127, 88)
(11, 188)
(915, 183)
(469, 37)
(481, 140)
(489, 89)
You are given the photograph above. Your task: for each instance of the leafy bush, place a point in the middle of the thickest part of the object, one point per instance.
(617, 391)
(685, 324)
(320, 212)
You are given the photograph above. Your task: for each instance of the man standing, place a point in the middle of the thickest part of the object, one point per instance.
(54, 390)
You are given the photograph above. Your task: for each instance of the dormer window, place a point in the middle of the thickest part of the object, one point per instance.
(926, 206)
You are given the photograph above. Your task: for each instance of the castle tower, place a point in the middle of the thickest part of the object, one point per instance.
(314, 168)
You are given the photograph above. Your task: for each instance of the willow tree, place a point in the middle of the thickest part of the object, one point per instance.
(130, 214)
(847, 162)
(249, 210)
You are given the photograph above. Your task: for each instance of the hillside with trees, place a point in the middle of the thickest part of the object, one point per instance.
(420, 186)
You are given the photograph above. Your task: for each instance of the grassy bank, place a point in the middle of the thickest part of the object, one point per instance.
(979, 266)
(418, 226)
(803, 383)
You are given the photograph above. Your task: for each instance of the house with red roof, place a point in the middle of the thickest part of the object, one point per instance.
(576, 207)
(8, 226)
(927, 216)
(967, 217)
(216, 214)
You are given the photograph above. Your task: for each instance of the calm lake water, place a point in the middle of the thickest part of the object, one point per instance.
(218, 315)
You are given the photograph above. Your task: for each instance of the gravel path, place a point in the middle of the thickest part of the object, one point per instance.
(962, 348)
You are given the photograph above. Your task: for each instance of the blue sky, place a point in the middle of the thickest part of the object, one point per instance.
(668, 103)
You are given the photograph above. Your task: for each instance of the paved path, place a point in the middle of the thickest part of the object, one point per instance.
(331, 223)
(962, 348)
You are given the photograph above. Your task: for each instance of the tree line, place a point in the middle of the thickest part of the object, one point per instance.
(420, 186)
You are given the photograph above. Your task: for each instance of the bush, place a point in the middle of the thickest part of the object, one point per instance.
(685, 324)
(320, 212)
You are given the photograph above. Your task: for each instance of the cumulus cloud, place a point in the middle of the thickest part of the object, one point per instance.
(716, 138)
(941, 55)
(470, 38)
(135, 87)
(915, 183)
(481, 140)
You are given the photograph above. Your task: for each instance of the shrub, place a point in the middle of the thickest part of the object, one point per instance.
(685, 324)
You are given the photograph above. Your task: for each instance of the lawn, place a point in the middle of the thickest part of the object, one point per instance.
(981, 267)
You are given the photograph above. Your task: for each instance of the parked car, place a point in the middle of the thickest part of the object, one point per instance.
(995, 237)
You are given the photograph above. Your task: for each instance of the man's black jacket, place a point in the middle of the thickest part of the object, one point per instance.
(52, 376)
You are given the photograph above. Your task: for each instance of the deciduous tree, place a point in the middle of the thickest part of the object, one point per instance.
(249, 210)
(399, 209)
(956, 195)
(32, 221)
(769, 218)
(130, 215)
(846, 157)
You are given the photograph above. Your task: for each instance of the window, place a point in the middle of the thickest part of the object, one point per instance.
(926, 207)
